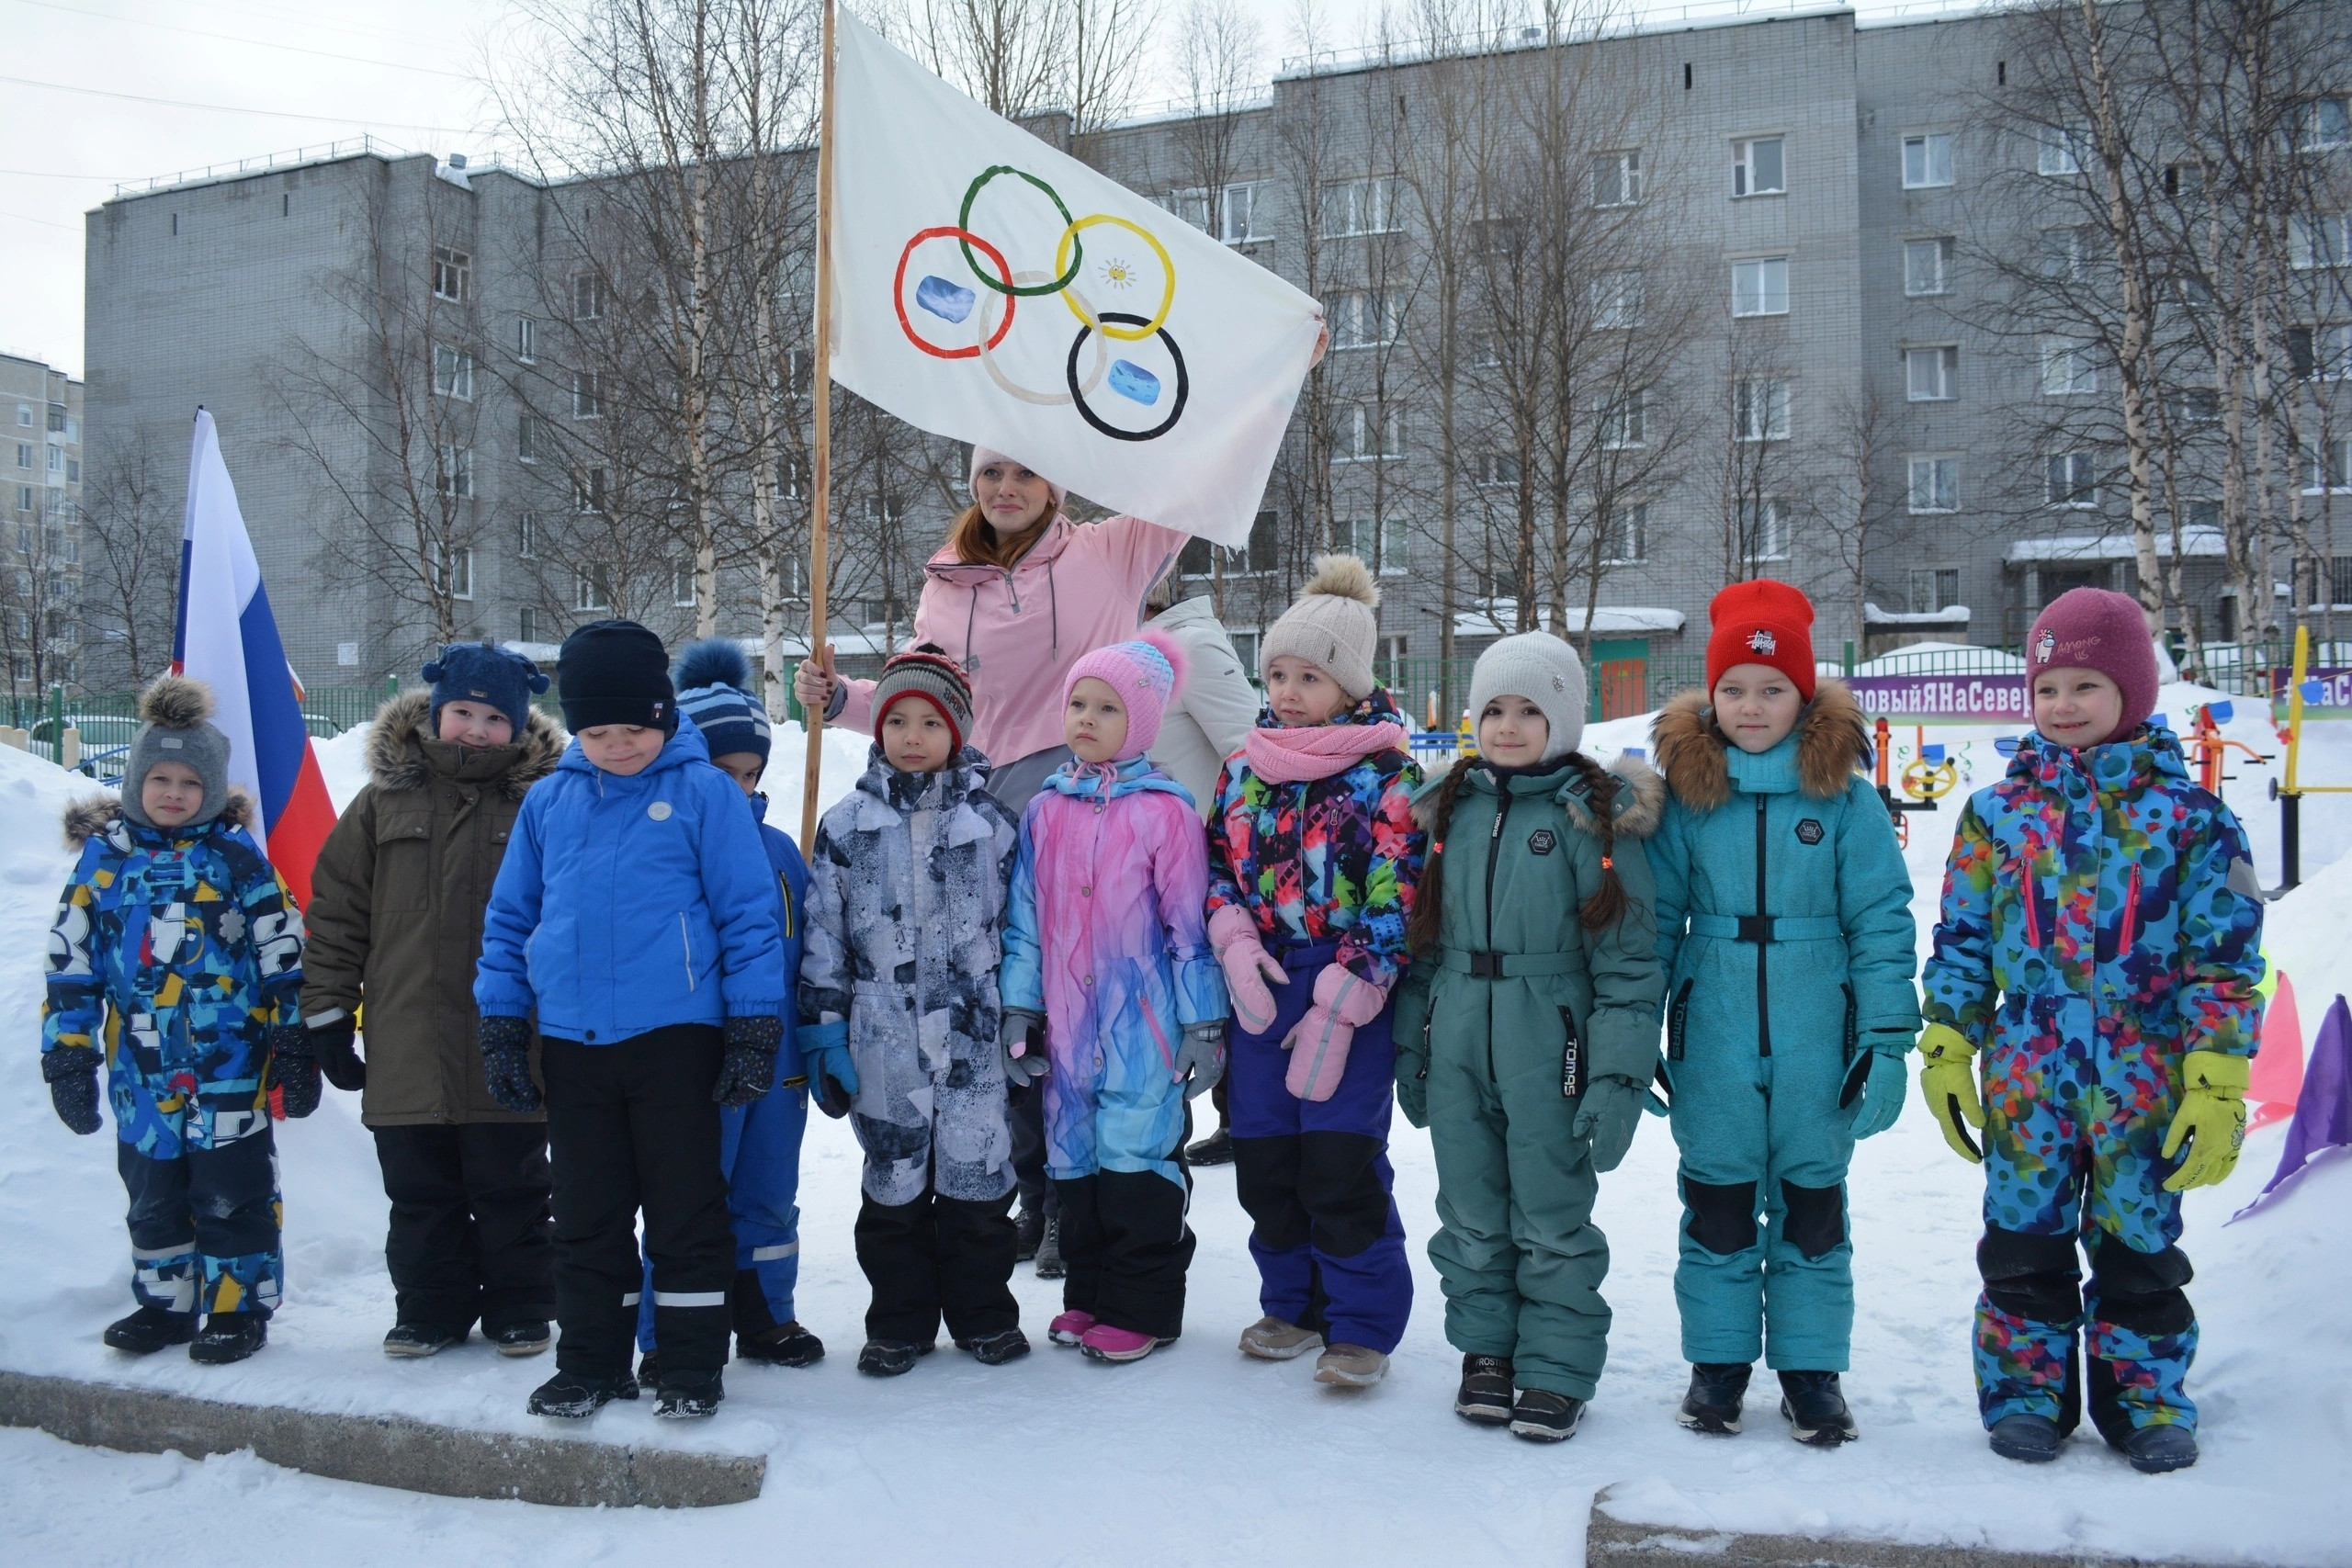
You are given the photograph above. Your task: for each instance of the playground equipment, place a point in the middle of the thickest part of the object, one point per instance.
(2290, 793)
(1926, 780)
(2209, 748)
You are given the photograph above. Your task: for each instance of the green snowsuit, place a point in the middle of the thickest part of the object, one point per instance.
(1491, 1019)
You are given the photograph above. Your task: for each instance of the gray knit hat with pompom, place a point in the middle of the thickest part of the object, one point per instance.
(1332, 626)
(176, 712)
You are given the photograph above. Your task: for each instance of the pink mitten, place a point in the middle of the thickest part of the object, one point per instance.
(1319, 1046)
(1248, 968)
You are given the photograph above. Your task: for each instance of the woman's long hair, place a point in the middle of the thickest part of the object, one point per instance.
(976, 542)
(1604, 909)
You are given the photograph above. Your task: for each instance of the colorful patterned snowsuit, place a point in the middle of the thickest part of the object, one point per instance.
(176, 954)
(2100, 920)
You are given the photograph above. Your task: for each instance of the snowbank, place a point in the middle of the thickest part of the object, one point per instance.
(1196, 1453)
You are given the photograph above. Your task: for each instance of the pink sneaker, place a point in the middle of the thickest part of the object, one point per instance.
(1106, 1343)
(1070, 1329)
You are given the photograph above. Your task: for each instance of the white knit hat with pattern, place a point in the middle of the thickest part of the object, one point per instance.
(1333, 624)
(1547, 672)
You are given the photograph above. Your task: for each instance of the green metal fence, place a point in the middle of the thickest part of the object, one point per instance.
(105, 721)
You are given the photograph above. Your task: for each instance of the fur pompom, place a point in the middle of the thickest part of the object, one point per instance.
(1172, 652)
(714, 662)
(1344, 577)
(176, 702)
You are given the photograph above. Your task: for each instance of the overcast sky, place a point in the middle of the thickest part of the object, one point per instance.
(93, 93)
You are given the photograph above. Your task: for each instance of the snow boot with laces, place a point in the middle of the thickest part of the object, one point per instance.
(1049, 1250)
(1816, 1409)
(1713, 1404)
(1543, 1417)
(150, 1329)
(1484, 1395)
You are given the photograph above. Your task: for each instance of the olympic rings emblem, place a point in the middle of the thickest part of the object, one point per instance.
(992, 309)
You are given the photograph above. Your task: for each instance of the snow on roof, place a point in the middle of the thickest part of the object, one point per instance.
(2196, 541)
(1942, 658)
(1953, 616)
(1499, 617)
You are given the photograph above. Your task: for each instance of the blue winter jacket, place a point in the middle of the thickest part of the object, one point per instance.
(630, 904)
(792, 882)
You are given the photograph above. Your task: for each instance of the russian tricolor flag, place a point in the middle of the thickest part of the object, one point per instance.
(227, 638)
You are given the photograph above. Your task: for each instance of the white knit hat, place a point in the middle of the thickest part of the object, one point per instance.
(983, 456)
(1547, 672)
(1332, 625)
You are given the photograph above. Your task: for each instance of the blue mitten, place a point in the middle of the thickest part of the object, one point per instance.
(1882, 1096)
(833, 1078)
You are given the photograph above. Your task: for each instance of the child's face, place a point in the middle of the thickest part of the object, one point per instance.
(1756, 707)
(475, 725)
(1512, 732)
(743, 767)
(916, 738)
(1095, 723)
(621, 748)
(1303, 694)
(171, 794)
(2076, 708)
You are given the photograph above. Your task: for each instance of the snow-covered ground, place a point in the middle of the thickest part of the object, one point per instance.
(1198, 1454)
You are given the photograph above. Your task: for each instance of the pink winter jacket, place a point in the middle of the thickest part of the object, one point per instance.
(1018, 632)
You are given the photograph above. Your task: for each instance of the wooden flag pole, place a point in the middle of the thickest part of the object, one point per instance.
(821, 474)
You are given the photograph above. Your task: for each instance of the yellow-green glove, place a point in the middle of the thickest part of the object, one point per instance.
(2212, 1108)
(1947, 1083)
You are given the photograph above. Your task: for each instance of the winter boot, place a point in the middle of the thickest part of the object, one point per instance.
(1104, 1343)
(1028, 1230)
(1485, 1394)
(1542, 1416)
(996, 1350)
(785, 1345)
(1049, 1250)
(415, 1340)
(1272, 1339)
(1070, 1329)
(1215, 1149)
(2155, 1449)
(889, 1358)
(1351, 1365)
(1816, 1409)
(689, 1395)
(150, 1329)
(2030, 1439)
(1713, 1404)
(648, 1367)
(575, 1396)
(526, 1338)
(229, 1336)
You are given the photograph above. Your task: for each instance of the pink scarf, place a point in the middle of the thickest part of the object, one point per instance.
(1295, 756)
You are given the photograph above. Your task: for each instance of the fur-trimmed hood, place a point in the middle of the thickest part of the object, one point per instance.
(1635, 818)
(91, 815)
(396, 759)
(1833, 739)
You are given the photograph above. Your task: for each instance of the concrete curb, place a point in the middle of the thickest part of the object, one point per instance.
(1613, 1542)
(382, 1451)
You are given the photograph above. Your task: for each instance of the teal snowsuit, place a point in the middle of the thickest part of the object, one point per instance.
(1491, 1018)
(1768, 1040)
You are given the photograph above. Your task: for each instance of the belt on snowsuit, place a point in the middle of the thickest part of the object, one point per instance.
(1761, 929)
(1508, 965)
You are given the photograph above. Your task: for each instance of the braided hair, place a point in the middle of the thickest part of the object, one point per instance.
(1607, 904)
(1422, 927)
(1605, 907)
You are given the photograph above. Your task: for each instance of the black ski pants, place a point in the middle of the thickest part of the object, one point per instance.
(1127, 1249)
(936, 1258)
(471, 1232)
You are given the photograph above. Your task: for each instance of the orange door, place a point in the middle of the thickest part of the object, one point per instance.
(1624, 687)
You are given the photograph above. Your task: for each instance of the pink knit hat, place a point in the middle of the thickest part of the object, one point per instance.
(2095, 629)
(983, 456)
(1147, 673)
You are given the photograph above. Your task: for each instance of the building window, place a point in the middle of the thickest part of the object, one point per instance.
(592, 588)
(1932, 375)
(1760, 287)
(588, 491)
(2322, 353)
(1366, 432)
(1757, 168)
(24, 453)
(527, 340)
(57, 459)
(1388, 546)
(1235, 217)
(1617, 301)
(1484, 353)
(2194, 405)
(1627, 535)
(1255, 559)
(1620, 423)
(2317, 239)
(2332, 464)
(2321, 122)
(1934, 484)
(1926, 161)
(2065, 253)
(1362, 320)
(2067, 369)
(1759, 411)
(526, 439)
(1358, 206)
(1926, 267)
(24, 415)
(587, 395)
(1763, 530)
(454, 473)
(57, 421)
(2060, 148)
(24, 497)
(453, 572)
(72, 470)
(1245, 648)
(453, 373)
(1617, 178)
(2071, 480)
(527, 624)
(1934, 589)
(792, 478)
(1495, 470)
(588, 296)
(527, 537)
(682, 584)
(452, 270)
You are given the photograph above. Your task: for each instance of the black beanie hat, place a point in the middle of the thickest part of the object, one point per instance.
(615, 672)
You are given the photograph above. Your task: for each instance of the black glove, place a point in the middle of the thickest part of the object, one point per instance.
(506, 1063)
(330, 1043)
(293, 1071)
(73, 1075)
(749, 1070)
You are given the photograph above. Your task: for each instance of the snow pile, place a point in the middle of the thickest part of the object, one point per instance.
(1056, 1459)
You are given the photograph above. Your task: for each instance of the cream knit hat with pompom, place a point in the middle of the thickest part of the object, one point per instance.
(1333, 626)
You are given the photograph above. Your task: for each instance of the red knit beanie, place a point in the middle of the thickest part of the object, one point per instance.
(1761, 621)
(2098, 629)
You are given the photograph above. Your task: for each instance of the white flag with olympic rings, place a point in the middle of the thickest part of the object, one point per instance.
(989, 288)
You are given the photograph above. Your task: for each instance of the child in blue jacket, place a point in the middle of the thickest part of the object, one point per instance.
(176, 959)
(759, 1143)
(636, 916)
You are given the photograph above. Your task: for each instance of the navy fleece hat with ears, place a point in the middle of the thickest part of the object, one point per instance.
(484, 673)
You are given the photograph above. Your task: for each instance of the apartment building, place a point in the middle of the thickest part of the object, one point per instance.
(41, 462)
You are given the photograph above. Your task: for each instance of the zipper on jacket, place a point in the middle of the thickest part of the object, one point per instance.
(2032, 904)
(1763, 948)
(2131, 917)
(1494, 847)
(686, 942)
